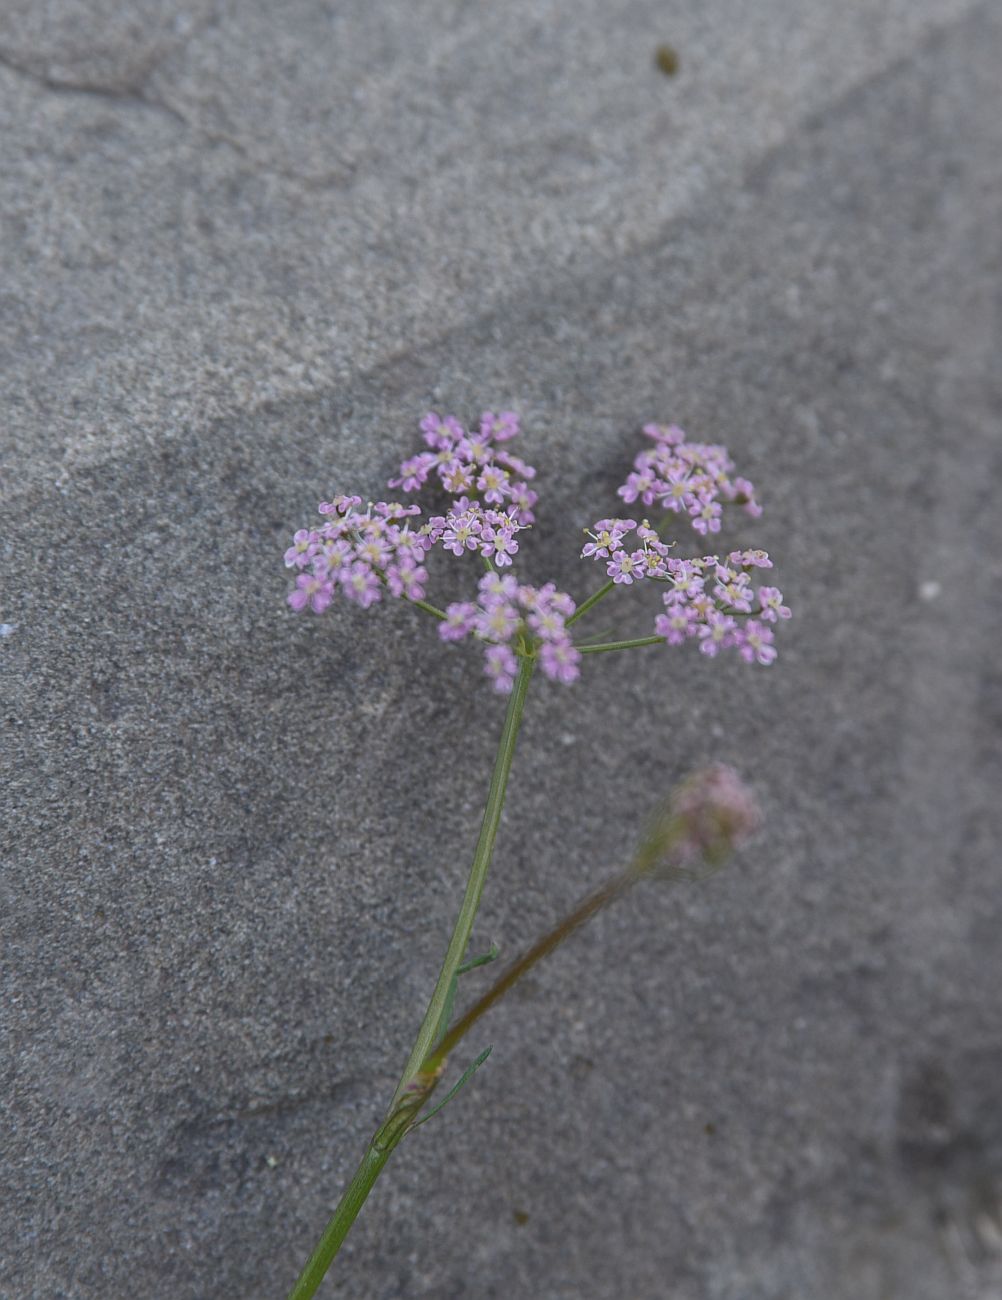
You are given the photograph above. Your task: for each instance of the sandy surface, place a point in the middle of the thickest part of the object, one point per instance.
(245, 247)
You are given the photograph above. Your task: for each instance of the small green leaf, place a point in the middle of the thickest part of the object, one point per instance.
(484, 959)
(467, 1074)
(450, 998)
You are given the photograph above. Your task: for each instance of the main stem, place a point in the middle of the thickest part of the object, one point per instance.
(431, 1026)
(395, 1126)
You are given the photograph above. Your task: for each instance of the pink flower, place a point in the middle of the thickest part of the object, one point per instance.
(493, 483)
(513, 618)
(522, 499)
(500, 666)
(499, 427)
(464, 461)
(311, 591)
(606, 536)
(636, 486)
(367, 551)
(670, 435)
(547, 623)
(677, 489)
(458, 621)
(499, 545)
(494, 587)
(734, 590)
(457, 479)
(341, 505)
(750, 559)
(462, 534)
(623, 568)
(498, 622)
(394, 510)
(514, 463)
(772, 608)
(685, 583)
(414, 472)
(409, 545)
(560, 661)
(682, 475)
(743, 493)
(305, 545)
(407, 579)
(442, 434)
(755, 643)
(654, 562)
(678, 625)
(717, 633)
(361, 585)
(374, 550)
(333, 559)
(706, 516)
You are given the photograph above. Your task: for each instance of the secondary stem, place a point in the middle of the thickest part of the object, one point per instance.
(399, 1117)
(428, 608)
(620, 645)
(592, 600)
(584, 911)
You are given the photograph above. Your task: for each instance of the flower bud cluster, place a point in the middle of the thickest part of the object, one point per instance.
(697, 828)
(715, 813)
(510, 616)
(473, 465)
(687, 477)
(362, 554)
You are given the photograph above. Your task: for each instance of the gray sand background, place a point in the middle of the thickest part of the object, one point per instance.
(244, 248)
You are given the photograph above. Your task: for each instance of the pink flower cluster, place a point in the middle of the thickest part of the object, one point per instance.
(646, 556)
(469, 527)
(705, 596)
(476, 465)
(690, 477)
(507, 614)
(363, 554)
(708, 599)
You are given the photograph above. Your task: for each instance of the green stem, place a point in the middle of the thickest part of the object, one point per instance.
(407, 1101)
(428, 609)
(431, 1025)
(344, 1216)
(620, 645)
(592, 600)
